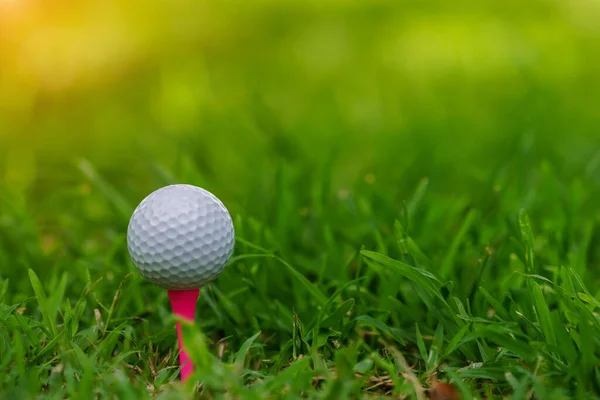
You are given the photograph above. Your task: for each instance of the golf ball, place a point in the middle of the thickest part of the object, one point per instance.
(180, 237)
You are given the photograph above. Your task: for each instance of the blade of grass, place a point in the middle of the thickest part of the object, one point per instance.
(240, 357)
(456, 242)
(42, 302)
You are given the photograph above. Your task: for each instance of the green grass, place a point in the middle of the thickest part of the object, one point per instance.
(329, 303)
(414, 190)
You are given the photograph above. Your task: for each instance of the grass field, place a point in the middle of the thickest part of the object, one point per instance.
(414, 190)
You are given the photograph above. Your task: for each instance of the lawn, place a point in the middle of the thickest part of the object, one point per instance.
(414, 189)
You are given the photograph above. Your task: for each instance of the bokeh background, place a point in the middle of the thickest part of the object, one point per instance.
(303, 116)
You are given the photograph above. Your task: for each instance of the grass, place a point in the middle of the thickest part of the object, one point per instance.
(414, 203)
(329, 304)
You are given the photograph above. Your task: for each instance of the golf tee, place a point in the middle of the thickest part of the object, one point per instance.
(183, 303)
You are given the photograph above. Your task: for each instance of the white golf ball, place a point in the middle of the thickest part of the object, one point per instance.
(180, 237)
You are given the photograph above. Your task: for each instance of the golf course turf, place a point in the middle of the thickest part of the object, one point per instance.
(414, 189)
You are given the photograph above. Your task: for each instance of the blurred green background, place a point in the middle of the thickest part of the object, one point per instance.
(291, 112)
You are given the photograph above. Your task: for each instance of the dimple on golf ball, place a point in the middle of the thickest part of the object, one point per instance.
(180, 237)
